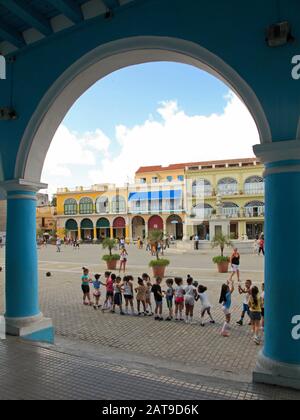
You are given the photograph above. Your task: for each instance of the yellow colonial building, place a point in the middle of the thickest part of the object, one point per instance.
(179, 199)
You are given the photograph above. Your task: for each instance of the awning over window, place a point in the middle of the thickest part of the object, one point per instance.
(87, 224)
(155, 195)
(71, 225)
(103, 224)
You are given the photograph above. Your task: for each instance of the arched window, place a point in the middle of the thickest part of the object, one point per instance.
(201, 187)
(254, 185)
(70, 207)
(255, 209)
(102, 205)
(86, 206)
(228, 186)
(203, 211)
(118, 204)
(230, 210)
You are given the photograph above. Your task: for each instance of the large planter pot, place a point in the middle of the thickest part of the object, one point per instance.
(223, 267)
(112, 265)
(159, 271)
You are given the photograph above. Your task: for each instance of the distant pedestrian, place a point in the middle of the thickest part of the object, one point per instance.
(58, 245)
(261, 246)
(196, 239)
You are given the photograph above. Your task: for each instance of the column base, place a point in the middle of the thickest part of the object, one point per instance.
(271, 372)
(35, 328)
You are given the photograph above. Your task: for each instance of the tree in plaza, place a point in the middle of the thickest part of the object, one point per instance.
(156, 237)
(109, 244)
(110, 259)
(221, 241)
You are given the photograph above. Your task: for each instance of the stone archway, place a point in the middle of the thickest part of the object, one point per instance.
(138, 228)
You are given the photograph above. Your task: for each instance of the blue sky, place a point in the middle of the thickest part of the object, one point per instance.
(156, 113)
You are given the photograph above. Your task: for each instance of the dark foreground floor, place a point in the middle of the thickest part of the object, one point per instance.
(29, 371)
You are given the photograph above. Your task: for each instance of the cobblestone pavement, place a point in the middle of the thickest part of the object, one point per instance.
(189, 346)
(137, 358)
(36, 372)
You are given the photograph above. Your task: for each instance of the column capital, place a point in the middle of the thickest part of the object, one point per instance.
(279, 157)
(278, 151)
(21, 185)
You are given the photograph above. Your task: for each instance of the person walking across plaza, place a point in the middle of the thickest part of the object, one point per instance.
(179, 299)
(255, 311)
(261, 246)
(58, 245)
(141, 291)
(190, 296)
(235, 264)
(247, 292)
(225, 301)
(158, 296)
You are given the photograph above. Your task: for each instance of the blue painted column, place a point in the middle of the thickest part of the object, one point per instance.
(21, 255)
(23, 316)
(279, 362)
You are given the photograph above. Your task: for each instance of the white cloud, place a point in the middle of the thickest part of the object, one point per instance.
(180, 138)
(70, 153)
(169, 136)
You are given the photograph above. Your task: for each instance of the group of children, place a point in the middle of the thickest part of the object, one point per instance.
(253, 306)
(180, 299)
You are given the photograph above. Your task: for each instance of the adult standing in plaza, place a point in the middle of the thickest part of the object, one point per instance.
(261, 246)
(196, 239)
(123, 260)
(235, 264)
(58, 245)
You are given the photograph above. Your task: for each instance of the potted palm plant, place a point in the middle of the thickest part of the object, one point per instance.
(110, 259)
(222, 262)
(159, 264)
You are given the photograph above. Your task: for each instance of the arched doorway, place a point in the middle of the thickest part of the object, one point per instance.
(175, 226)
(103, 229)
(106, 59)
(87, 230)
(155, 223)
(138, 228)
(71, 227)
(119, 228)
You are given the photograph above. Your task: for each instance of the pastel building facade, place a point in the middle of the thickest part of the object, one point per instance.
(178, 199)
